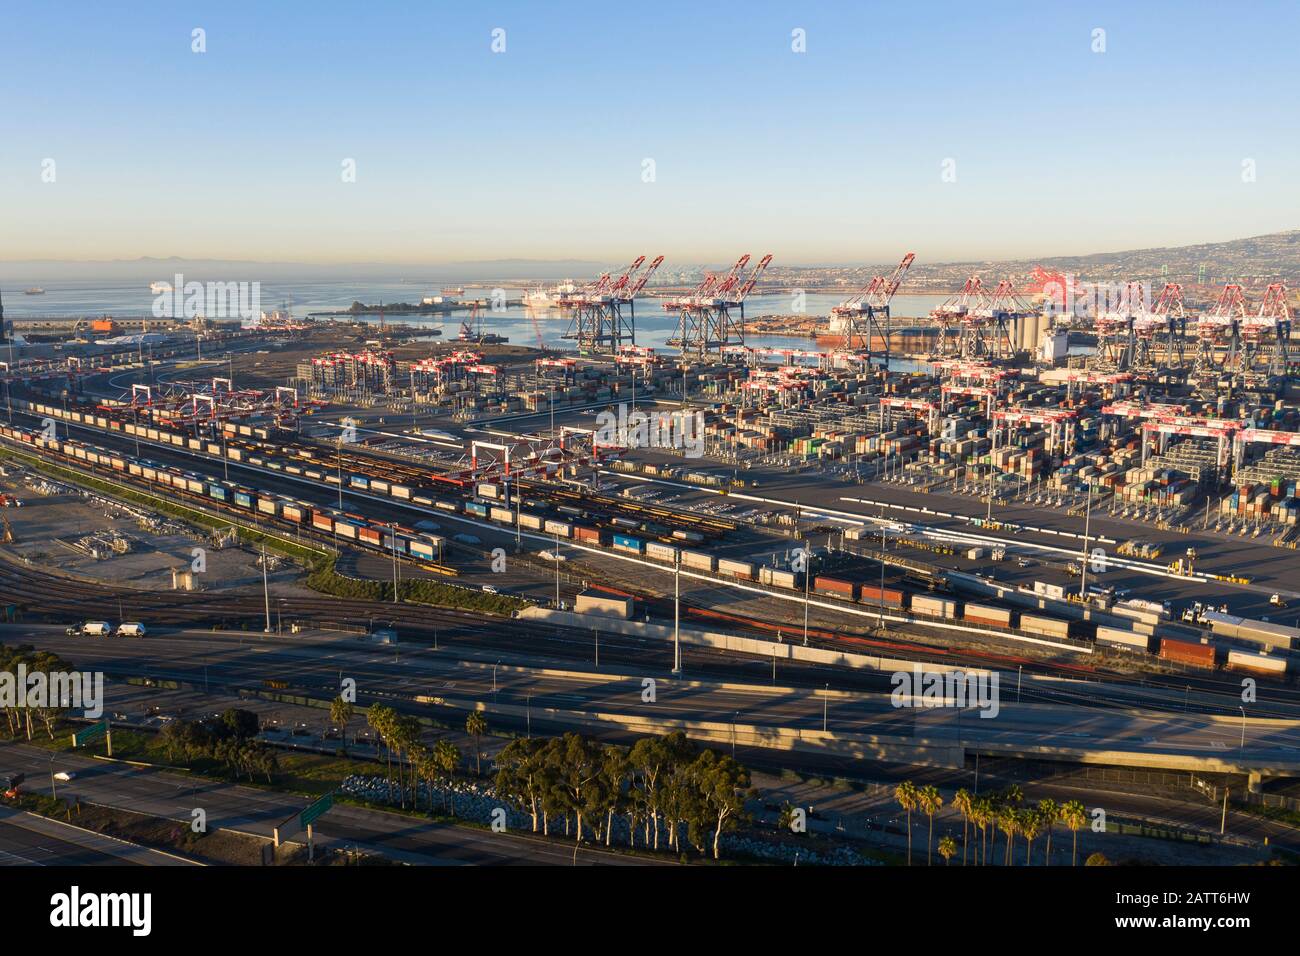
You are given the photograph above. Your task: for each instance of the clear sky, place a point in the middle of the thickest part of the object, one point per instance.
(834, 155)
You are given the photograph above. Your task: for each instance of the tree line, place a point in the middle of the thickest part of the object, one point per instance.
(1002, 810)
(35, 662)
(665, 788)
(228, 738)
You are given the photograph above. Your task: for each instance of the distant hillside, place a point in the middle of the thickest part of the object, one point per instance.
(1252, 262)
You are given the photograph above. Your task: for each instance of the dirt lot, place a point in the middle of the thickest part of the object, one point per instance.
(65, 530)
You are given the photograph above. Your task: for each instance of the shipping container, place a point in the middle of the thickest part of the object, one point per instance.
(1116, 637)
(1185, 652)
(370, 536)
(587, 535)
(698, 561)
(1269, 664)
(660, 552)
(504, 515)
(562, 528)
(933, 606)
(531, 522)
(1044, 626)
(476, 508)
(983, 614)
(345, 529)
(869, 594)
(736, 569)
(779, 578)
(825, 585)
(321, 521)
(622, 542)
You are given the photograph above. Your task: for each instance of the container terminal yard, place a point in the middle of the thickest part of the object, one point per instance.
(772, 534)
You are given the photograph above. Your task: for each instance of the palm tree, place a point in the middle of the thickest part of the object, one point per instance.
(476, 726)
(947, 847)
(1050, 811)
(930, 801)
(1031, 824)
(907, 796)
(1074, 816)
(963, 804)
(982, 814)
(446, 757)
(1009, 824)
(341, 712)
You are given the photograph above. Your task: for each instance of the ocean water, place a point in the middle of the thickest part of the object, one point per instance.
(654, 325)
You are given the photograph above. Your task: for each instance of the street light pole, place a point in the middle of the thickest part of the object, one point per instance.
(1083, 559)
(807, 577)
(677, 616)
(393, 528)
(266, 590)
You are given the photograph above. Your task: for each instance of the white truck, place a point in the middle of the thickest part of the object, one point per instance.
(131, 629)
(90, 629)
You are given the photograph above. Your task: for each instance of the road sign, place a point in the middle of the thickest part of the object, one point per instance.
(309, 815)
(93, 732)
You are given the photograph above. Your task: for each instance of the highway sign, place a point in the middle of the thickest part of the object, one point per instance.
(309, 815)
(93, 732)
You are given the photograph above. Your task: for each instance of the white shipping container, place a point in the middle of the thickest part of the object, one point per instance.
(933, 606)
(1131, 640)
(1249, 660)
(660, 552)
(698, 561)
(738, 569)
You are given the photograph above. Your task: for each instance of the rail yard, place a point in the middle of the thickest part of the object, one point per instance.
(1110, 529)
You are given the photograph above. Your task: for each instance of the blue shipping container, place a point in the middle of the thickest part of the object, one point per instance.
(623, 543)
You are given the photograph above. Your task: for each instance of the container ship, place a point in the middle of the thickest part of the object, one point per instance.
(553, 298)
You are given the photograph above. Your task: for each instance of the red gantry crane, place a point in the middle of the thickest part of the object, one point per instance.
(859, 317)
(706, 322)
(599, 322)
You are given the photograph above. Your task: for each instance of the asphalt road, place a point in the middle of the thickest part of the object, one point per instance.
(316, 665)
(30, 840)
(252, 810)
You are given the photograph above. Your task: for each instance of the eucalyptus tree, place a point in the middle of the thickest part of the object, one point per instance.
(723, 785)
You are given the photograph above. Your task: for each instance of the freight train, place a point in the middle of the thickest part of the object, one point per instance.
(417, 484)
(359, 530)
(653, 541)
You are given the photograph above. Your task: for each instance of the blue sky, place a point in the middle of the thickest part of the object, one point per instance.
(832, 155)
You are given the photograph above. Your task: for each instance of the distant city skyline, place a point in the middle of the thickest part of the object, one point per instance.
(122, 142)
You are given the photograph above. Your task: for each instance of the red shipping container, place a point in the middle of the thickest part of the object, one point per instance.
(370, 536)
(588, 535)
(834, 586)
(874, 595)
(1198, 655)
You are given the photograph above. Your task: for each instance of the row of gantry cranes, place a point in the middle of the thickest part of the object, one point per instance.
(1135, 330)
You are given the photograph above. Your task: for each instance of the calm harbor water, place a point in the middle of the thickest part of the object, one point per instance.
(654, 325)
